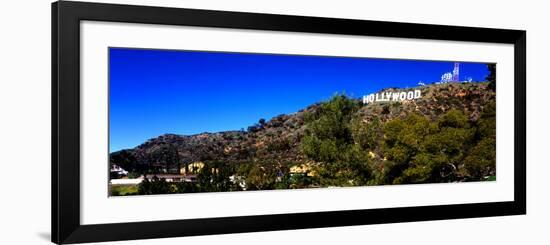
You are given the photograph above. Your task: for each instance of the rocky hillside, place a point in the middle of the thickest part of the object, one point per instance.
(278, 139)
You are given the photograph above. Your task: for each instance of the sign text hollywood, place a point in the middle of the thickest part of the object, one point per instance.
(392, 96)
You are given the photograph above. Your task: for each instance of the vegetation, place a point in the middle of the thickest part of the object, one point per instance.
(124, 190)
(447, 136)
(414, 149)
(329, 140)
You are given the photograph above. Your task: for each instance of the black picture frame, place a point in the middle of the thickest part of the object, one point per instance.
(66, 17)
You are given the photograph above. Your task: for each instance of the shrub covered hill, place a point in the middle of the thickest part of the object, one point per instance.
(447, 135)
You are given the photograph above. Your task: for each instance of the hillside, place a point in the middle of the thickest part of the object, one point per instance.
(278, 142)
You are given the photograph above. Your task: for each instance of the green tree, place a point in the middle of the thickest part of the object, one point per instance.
(329, 140)
(155, 186)
(402, 141)
(204, 179)
(221, 174)
(328, 131)
(144, 188)
(186, 187)
(366, 135)
(422, 151)
(481, 160)
(300, 180)
(261, 121)
(261, 177)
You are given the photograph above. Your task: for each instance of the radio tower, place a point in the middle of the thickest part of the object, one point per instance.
(455, 72)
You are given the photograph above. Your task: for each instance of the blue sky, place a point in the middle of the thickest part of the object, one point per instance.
(153, 92)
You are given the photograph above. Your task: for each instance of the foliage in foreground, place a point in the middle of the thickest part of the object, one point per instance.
(412, 149)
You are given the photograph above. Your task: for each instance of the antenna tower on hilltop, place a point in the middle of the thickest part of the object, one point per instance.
(456, 72)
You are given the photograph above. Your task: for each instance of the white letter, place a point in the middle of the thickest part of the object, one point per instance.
(402, 96)
(388, 96)
(410, 95)
(395, 96)
(417, 94)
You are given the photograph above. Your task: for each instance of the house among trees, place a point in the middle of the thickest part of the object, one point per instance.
(191, 168)
(117, 172)
(302, 169)
(196, 168)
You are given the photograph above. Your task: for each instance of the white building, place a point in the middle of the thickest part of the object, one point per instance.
(118, 170)
(447, 77)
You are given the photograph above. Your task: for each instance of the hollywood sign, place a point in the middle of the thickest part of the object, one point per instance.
(392, 96)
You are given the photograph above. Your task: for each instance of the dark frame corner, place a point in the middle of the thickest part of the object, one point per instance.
(66, 17)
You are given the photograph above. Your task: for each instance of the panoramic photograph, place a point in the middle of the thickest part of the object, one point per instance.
(183, 121)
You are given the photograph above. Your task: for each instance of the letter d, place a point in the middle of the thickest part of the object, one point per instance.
(417, 94)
